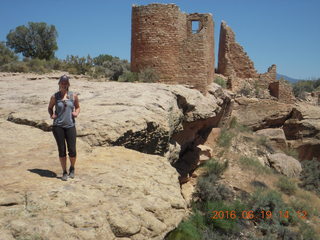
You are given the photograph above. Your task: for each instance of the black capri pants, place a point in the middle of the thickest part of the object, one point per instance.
(63, 135)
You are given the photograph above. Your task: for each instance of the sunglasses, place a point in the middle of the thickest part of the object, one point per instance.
(64, 104)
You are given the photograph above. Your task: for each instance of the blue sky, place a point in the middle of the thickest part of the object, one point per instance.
(282, 32)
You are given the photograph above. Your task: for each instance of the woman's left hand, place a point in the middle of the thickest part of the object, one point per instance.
(74, 114)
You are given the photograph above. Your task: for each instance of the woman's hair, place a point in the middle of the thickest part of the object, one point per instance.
(64, 78)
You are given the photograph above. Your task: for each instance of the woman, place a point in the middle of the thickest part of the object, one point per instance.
(67, 108)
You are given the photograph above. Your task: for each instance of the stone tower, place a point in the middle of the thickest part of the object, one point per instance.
(163, 39)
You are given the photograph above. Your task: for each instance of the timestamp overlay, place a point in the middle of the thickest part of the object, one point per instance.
(254, 215)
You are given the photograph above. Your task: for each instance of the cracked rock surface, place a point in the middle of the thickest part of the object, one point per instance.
(117, 193)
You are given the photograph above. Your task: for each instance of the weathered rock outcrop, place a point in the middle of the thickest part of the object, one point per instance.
(300, 123)
(285, 164)
(276, 135)
(261, 113)
(138, 116)
(118, 193)
(303, 131)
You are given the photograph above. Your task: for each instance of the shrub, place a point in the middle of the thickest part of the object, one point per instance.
(270, 200)
(208, 188)
(115, 68)
(225, 138)
(310, 176)
(254, 165)
(291, 152)
(128, 77)
(221, 82)
(189, 229)
(148, 75)
(6, 55)
(245, 90)
(214, 167)
(308, 232)
(237, 126)
(303, 205)
(37, 65)
(78, 65)
(99, 60)
(286, 186)
(224, 224)
(303, 86)
(233, 122)
(15, 67)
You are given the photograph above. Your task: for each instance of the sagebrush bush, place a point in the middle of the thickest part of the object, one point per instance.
(224, 224)
(308, 232)
(221, 82)
(303, 205)
(15, 67)
(291, 152)
(234, 124)
(128, 77)
(189, 229)
(245, 90)
(286, 185)
(148, 75)
(6, 55)
(248, 163)
(214, 167)
(208, 188)
(310, 175)
(225, 138)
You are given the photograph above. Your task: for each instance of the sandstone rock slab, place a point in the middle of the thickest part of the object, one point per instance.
(285, 164)
(116, 193)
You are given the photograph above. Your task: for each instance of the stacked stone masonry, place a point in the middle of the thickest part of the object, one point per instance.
(234, 63)
(233, 60)
(162, 39)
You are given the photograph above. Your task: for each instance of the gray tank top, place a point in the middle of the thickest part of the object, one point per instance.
(63, 110)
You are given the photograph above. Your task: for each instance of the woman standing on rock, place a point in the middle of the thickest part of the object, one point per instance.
(67, 108)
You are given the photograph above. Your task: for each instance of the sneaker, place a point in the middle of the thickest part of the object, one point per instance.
(71, 172)
(64, 176)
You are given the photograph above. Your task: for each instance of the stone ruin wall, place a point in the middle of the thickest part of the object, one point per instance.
(285, 93)
(162, 39)
(232, 59)
(234, 63)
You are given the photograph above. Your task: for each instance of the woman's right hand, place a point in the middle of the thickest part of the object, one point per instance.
(54, 116)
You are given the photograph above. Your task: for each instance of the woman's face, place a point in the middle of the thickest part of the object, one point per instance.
(63, 85)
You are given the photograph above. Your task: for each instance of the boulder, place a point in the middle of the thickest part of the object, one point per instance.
(274, 134)
(285, 164)
(303, 131)
(261, 113)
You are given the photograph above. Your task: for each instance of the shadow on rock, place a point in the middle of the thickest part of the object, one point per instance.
(43, 172)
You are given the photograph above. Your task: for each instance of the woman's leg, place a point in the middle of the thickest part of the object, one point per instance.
(71, 136)
(59, 135)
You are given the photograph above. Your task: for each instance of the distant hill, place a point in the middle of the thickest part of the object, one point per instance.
(291, 80)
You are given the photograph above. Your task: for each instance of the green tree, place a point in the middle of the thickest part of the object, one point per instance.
(37, 40)
(6, 55)
(102, 58)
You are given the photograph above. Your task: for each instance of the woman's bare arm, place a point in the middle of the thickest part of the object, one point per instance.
(76, 112)
(50, 107)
